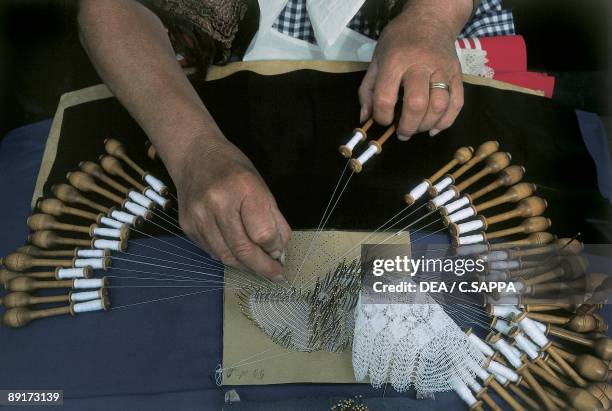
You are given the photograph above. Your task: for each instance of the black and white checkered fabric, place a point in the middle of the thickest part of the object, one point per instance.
(490, 19)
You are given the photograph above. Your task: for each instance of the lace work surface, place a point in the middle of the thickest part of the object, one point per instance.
(250, 357)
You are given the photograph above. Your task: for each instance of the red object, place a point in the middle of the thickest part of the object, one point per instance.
(507, 56)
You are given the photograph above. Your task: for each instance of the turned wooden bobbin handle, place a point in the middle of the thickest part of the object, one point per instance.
(116, 149)
(69, 194)
(23, 262)
(602, 346)
(507, 177)
(359, 135)
(483, 151)
(493, 164)
(37, 252)
(461, 156)
(530, 225)
(528, 207)
(48, 239)
(57, 208)
(84, 182)
(113, 167)
(532, 239)
(22, 299)
(20, 317)
(97, 172)
(39, 221)
(569, 268)
(514, 194)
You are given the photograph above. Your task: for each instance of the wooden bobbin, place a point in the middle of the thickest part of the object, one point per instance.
(356, 164)
(84, 182)
(530, 402)
(589, 366)
(37, 252)
(97, 172)
(27, 284)
(116, 149)
(514, 194)
(601, 346)
(584, 323)
(113, 166)
(493, 164)
(23, 262)
(569, 268)
(55, 207)
(69, 194)
(507, 177)
(21, 316)
(482, 152)
(530, 225)
(563, 246)
(48, 239)
(345, 149)
(584, 284)
(603, 392)
(461, 156)
(578, 398)
(39, 221)
(22, 299)
(533, 239)
(523, 371)
(7, 275)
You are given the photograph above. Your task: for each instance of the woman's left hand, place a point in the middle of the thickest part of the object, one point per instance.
(416, 49)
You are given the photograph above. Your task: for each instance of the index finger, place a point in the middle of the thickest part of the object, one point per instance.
(245, 250)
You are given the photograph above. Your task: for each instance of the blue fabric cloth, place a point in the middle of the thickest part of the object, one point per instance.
(156, 356)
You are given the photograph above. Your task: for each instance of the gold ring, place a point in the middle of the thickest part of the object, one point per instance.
(439, 85)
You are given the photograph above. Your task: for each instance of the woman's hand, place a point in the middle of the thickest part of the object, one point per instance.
(414, 50)
(225, 206)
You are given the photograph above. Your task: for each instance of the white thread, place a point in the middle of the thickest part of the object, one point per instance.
(504, 311)
(65, 273)
(503, 371)
(461, 215)
(494, 256)
(85, 296)
(90, 253)
(366, 155)
(152, 194)
(88, 306)
(457, 204)
(527, 346)
(502, 326)
(505, 265)
(140, 199)
(469, 226)
(542, 327)
(473, 384)
(155, 184)
(107, 244)
(531, 329)
(471, 239)
(88, 283)
(124, 217)
(107, 232)
(463, 391)
(357, 137)
(95, 263)
(481, 345)
(134, 208)
(500, 379)
(509, 352)
(109, 222)
(444, 198)
(478, 370)
(419, 190)
(442, 184)
(495, 276)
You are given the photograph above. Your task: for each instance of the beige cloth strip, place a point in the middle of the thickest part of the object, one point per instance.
(250, 357)
(271, 67)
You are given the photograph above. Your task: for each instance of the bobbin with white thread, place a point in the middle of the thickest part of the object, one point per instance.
(95, 263)
(163, 202)
(465, 394)
(443, 198)
(156, 184)
(126, 218)
(481, 345)
(141, 199)
(69, 194)
(468, 239)
(374, 147)
(105, 221)
(81, 296)
(456, 205)
(359, 135)
(89, 306)
(110, 244)
(137, 209)
(478, 224)
(76, 272)
(91, 253)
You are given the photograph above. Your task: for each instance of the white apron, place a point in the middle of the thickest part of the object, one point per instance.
(329, 18)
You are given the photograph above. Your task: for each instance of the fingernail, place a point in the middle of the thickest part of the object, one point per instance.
(402, 137)
(279, 279)
(276, 254)
(433, 132)
(282, 258)
(363, 115)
